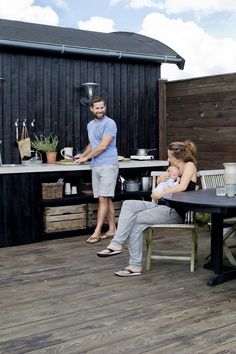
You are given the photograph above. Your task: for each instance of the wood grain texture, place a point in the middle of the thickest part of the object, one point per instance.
(204, 111)
(59, 297)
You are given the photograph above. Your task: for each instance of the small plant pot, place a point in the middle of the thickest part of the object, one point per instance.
(51, 157)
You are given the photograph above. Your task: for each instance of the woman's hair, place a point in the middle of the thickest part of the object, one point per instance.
(185, 151)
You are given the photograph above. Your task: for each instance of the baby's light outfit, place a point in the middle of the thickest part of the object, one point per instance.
(164, 185)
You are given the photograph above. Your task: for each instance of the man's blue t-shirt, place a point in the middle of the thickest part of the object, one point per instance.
(97, 128)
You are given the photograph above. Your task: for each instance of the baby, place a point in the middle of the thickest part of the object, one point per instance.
(173, 174)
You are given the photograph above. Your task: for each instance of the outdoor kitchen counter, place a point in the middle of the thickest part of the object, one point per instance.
(42, 168)
(22, 206)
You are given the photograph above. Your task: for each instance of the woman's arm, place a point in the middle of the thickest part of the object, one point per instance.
(189, 174)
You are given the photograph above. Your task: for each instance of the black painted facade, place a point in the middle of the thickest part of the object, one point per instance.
(47, 88)
(44, 67)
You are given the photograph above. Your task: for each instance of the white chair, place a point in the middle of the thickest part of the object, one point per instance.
(212, 179)
(189, 225)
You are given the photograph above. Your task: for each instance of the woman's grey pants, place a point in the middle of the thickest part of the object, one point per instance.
(135, 217)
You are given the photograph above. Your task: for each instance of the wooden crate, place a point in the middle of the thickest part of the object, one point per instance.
(92, 213)
(52, 190)
(64, 218)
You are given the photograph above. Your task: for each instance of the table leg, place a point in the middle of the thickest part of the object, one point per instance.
(222, 273)
(216, 249)
(217, 242)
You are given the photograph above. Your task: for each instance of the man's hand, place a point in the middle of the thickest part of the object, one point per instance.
(81, 159)
(78, 156)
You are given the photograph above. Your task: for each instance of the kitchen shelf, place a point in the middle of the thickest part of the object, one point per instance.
(26, 207)
(81, 199)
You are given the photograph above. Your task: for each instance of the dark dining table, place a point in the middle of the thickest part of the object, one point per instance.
(219, 207)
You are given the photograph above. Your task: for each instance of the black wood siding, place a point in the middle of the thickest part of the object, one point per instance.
(49, 90)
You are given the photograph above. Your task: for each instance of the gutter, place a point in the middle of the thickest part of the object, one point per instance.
(105, 53)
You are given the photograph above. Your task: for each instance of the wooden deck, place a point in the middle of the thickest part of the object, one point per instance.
(59, 297)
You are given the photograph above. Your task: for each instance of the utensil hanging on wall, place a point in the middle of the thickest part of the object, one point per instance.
(17, 130)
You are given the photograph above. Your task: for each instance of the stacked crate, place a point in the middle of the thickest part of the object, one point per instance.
(64, 218)
(92, 213)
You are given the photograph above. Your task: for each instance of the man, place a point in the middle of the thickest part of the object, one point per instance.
(103, 152)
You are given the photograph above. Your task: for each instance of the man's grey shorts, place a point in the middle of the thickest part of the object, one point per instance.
(104, 180)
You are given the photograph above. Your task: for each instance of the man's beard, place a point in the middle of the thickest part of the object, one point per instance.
(100, 116)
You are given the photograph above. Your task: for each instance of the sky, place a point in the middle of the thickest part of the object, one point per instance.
(203, 32)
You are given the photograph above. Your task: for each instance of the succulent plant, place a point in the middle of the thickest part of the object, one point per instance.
(45, 143)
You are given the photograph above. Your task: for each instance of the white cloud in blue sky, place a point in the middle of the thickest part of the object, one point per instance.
(27, 10)
(204, 54)
(62, 4)
(97, 24)
(202, 31)
(203, 7)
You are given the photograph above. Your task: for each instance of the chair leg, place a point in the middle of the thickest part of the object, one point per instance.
(149, 240)
(228, 254)
(194, 250)
(229, 233)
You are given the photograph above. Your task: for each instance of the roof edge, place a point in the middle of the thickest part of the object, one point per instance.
(64, 49)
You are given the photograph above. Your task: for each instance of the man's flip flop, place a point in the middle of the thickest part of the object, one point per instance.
(92, 240)
(105, 236)
(108, 252)
(127, 273)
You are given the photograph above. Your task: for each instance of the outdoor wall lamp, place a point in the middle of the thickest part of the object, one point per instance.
(90, 90)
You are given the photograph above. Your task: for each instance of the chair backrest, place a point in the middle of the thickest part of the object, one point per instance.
(211, 178)
(154, 175)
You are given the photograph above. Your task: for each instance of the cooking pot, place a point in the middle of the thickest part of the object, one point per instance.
(144, 152)
(132, 185)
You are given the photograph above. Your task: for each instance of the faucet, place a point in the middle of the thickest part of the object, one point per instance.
(0, 152)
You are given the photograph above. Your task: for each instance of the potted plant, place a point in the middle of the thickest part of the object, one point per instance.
(47, 144)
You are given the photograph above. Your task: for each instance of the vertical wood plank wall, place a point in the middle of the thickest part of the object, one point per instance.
(162, 120)
(48, 89)
(203, 110)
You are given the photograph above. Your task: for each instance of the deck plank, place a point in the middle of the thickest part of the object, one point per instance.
(57, 296)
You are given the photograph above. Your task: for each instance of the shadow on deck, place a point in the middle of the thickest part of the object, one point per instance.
(59, 297)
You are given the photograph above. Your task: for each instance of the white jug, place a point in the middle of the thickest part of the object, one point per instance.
(67, 153)
(230, 172)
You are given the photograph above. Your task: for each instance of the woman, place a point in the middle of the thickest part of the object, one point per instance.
(137, 215)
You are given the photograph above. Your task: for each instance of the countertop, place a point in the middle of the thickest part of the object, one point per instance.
(40, 168)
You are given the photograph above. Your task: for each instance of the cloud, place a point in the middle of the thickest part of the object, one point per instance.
(61, 4)
(204, 54)
(205, 7)
(137, 4)
(99, 24)
(24, 10)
